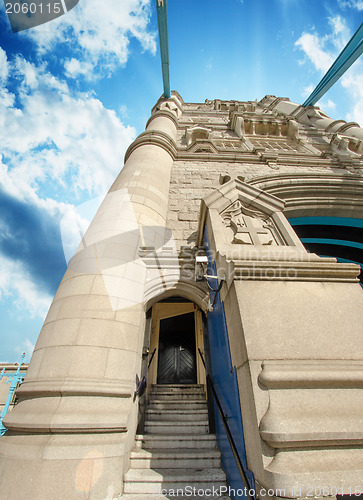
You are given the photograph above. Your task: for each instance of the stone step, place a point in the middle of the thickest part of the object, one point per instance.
(177, 388)
(177, 396)
(176, 459)
(175, 428)
(176, 415)
(152, 481)
(177, 405)
(163, 441)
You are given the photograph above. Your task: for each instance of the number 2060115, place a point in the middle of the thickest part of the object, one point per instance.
(33, 8)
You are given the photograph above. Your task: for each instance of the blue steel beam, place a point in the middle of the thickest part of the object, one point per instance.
(162, 12)
(346, 58)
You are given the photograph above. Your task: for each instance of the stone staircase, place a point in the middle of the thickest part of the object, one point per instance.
(176, 452)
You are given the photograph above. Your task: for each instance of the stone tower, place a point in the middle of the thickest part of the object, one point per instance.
(282, 338)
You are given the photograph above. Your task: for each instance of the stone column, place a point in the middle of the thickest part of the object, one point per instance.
(72, 431)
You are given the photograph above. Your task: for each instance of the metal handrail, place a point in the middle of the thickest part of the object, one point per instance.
(151, 358)
(240, 466)
(141, 384)
(201, 357)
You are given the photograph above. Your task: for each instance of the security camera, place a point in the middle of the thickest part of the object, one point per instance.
(201, 259)
(200, 262)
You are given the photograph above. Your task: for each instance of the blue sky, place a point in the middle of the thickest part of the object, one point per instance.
(76, 91)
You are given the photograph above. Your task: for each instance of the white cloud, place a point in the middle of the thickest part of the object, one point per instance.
(337, 24)
(351, 4)
(74, 68)
(6, 98)
(16, 282)
(54, 140)
(340, 33)
(308, 90)
(74, 224)
(27, 347)
(100, 31)
(353, 82)
(313, 46)
(327, 105)
(323, 50)
(4, 70)
(58, 134)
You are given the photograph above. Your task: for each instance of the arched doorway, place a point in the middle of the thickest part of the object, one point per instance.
(177, 352)
(176, 338)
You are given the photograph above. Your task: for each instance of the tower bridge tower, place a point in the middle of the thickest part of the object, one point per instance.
(282, 338)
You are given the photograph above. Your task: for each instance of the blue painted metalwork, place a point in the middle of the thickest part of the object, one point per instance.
(162, 12)
(331, 221)
(14, 379)
(330, 241)
(346, 240)
(224, 379)
(346, 58)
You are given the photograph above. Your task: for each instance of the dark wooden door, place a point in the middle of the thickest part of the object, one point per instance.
(177, 363)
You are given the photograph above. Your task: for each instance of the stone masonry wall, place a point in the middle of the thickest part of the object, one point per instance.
(251, 140)
(192, 181)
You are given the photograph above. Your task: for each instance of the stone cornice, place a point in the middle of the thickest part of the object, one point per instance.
(155, 138)
(303, 160)
(325, 181)
(326, 389)
(74, 387)
(166, 114)
(290, 374)
(66, 428)
(12, 367)
(315, 192)
(321, 271)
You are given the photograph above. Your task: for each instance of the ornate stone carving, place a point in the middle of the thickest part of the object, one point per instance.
(269, 132)
(249, 227)
(169, 106)
(197, 133)
(342, 146)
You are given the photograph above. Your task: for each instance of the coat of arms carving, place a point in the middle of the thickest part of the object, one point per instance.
(249, 227)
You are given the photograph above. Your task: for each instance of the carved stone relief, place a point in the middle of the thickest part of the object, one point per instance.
(197, 133)
(169, 106)
(345, 146)
(249, 227)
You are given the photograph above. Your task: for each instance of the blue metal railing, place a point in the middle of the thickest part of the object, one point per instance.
(14, 378)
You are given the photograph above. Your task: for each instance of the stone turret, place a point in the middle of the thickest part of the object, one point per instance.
(76, 411)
